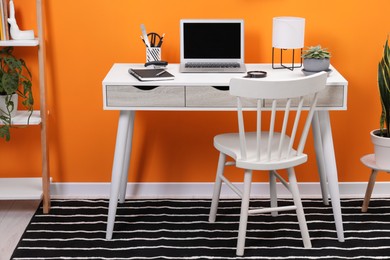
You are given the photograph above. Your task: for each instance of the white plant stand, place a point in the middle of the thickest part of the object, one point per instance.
(369, 161)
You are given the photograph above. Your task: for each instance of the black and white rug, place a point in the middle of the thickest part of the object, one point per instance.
(179, 229)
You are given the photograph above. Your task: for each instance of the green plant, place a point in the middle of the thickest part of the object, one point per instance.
(15, 78)
(384, 89)
(316, 52)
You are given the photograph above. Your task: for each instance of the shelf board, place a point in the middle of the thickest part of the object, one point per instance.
(22, 116)
(26, 43)
(21, 188)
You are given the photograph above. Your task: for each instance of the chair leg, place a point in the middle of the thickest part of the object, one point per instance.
(244, 213)
(370, 187)
(217, 187)
(273, 193)
(298, 203)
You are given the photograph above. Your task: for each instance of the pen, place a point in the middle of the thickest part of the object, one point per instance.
(142, 38)
(152, 39)
(160, 73)
(161, 40)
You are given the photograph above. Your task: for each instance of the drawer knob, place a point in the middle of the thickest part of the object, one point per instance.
(146, 87)
(222, 88)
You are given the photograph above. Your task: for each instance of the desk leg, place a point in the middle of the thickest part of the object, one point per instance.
(331, 170)
(320, 158)
(125, 170)
(124, 124)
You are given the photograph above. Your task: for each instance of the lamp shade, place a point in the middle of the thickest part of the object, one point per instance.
(288, 32)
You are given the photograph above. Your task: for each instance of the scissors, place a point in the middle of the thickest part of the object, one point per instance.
(155, 39)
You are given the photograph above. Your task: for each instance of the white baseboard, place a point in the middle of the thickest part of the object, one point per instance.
(205, 189)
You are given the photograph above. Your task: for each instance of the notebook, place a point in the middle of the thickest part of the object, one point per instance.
(151, 74)
(212, 45)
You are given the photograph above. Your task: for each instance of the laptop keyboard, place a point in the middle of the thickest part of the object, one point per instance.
(212, 65)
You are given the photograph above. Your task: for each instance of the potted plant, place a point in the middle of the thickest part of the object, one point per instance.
(316, 58)
(381, 136)
(15, 81)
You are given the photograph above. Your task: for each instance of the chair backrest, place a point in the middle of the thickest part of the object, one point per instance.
(278, 95)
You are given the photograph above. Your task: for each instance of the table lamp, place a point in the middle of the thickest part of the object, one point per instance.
(287, 33)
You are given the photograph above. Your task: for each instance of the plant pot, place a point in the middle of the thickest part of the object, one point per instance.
(3, 108)
(316, 64)
(381, 149)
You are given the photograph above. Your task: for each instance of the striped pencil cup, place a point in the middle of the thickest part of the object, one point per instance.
(153, 54)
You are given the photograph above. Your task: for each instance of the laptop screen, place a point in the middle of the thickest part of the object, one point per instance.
(212, 39)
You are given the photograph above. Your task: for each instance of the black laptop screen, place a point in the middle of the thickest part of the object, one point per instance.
(212, 40)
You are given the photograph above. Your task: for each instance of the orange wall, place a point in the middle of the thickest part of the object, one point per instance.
(84, 38)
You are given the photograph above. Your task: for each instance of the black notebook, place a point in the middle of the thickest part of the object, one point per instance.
(151, 74)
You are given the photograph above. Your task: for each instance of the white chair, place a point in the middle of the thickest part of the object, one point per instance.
(268, 149)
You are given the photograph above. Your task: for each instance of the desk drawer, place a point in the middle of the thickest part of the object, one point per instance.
(331, 96)
(145, 96)
(201, 96)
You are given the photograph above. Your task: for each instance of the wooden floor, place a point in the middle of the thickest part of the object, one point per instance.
(14, 217)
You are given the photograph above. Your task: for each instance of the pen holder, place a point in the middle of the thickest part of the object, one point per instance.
(153, 54)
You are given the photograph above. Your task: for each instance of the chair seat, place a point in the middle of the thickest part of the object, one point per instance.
(229, 144)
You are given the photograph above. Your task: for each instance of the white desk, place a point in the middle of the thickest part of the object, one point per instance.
(207, 92)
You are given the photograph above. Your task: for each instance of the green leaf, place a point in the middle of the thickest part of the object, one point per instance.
(316, 52)
(10, 83)
(384, 89)
(5, 133)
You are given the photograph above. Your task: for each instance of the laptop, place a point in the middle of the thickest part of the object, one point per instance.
(212, 45)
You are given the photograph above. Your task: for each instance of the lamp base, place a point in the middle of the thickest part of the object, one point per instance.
(291, 66)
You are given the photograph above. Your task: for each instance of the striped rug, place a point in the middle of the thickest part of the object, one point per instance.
(179, 229)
